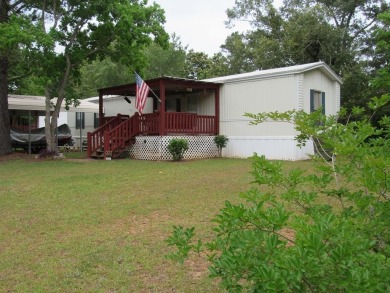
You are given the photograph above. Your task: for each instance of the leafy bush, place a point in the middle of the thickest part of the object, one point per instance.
(177, 147)
(221, 142)
(286, 238)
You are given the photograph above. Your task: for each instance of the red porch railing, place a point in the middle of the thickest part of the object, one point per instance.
(189, 123)
(95, 140)
(148, 123)
(120, 136)
(115, 134)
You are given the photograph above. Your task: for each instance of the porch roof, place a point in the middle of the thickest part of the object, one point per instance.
(171, 84)
(162, 87)
(37, 103)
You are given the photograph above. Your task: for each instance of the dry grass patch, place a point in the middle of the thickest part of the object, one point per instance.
(76, 225)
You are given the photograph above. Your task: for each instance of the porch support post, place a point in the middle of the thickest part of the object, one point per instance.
(162, 109)
(216, 122)
(101, 115)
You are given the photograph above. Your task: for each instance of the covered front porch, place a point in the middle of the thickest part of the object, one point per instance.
(175, 106)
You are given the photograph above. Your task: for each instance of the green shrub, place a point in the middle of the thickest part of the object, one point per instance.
(177, 147)
(299, 232)
(221, 142)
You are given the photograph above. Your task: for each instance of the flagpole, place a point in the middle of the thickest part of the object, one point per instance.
(155, 95)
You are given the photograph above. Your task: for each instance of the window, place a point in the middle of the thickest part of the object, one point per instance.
(192, 104)
(317, 100)
(95, 120)
(173, 105)
(80, 120)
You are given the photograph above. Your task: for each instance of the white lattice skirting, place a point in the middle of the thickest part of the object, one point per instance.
(155, 148)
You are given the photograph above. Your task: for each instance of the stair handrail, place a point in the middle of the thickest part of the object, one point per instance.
(95, 139)
(117, 137)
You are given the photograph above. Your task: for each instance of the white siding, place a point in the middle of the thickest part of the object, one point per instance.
(256, 96)
(275, 140)
(299, 80)
(206, 105)
(272, 147)
(62, 119)
(337, 93)
(316, 80)
(116, 105)
(89, 127)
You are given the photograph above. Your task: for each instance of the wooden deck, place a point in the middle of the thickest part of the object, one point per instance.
(118, 133)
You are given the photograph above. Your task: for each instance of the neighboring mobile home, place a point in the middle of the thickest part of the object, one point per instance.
(198, 110)
(27, 112)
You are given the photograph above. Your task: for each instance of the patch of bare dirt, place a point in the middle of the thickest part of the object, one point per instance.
(26, 157)
(198, 265)
(80, 160)
(139, 224)
(289, 234)
(16, 156)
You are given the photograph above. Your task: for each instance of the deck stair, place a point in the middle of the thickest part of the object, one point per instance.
(113, 139)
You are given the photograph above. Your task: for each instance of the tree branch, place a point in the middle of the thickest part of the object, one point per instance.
(55, 16)
(363, 29)
(43, 15)
(12, 79)
(333, 15)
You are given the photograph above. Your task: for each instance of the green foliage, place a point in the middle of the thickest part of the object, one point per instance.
(73, 33)
(166, 61)
(381, 81)
(221, 142)
(197, 65)
(100, 74)
(177, 147)
(239, 54)
(343, 34)
(182, 239)
(285, 238)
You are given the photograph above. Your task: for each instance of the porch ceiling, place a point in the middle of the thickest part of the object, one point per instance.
(172, 85)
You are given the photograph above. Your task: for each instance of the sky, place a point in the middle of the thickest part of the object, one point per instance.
(200, 24)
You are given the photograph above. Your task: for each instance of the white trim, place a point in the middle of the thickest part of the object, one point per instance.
(277, 72)
(37, 103)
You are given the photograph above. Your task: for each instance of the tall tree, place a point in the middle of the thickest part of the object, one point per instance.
(380, 83)
(238, 53)
(5, 139)
(166, 61)
(16, 33)
(336, 32)
(196, 65)
(100, 74)
(81, 31)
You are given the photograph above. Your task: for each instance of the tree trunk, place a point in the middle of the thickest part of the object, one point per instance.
(51, 119)
(5, 137)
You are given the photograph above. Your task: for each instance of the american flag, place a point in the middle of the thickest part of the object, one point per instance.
(142, 91)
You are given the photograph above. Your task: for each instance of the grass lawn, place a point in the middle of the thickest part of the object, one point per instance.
(79, 225)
